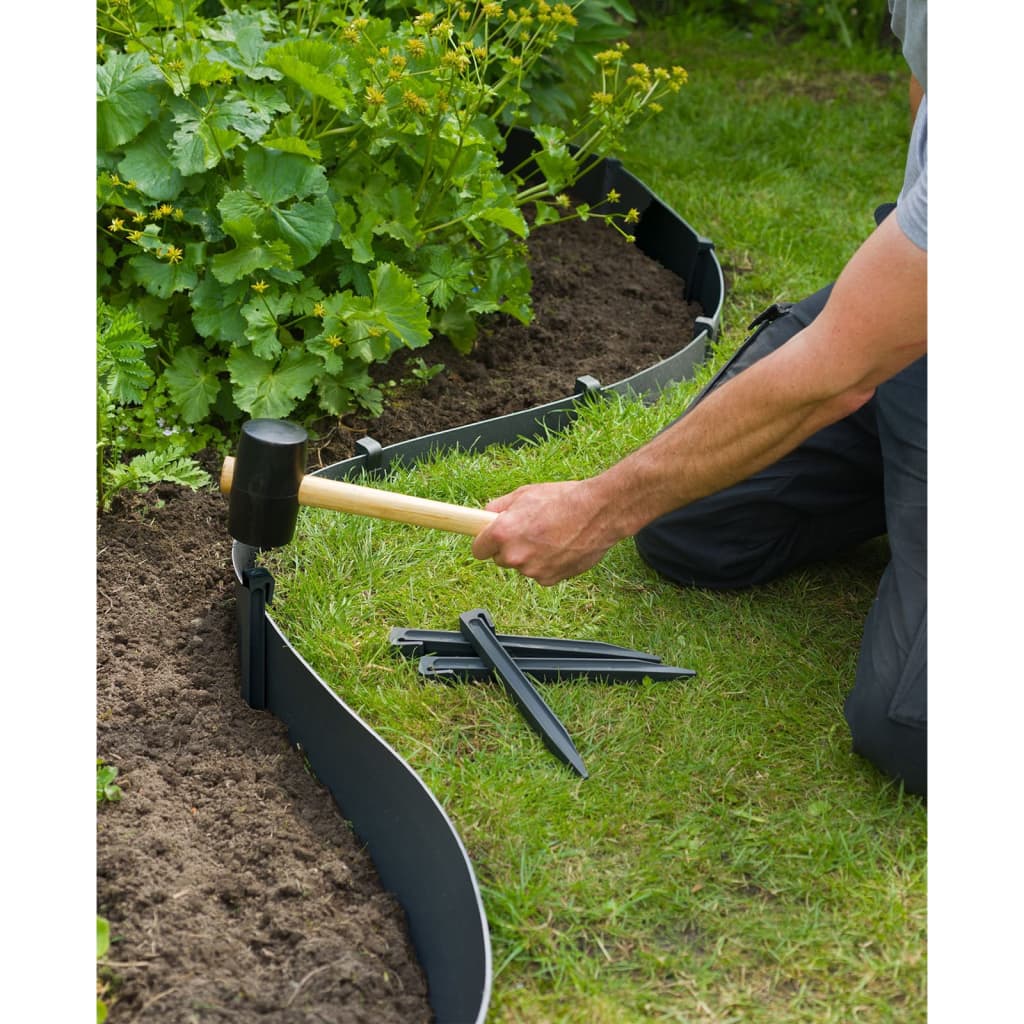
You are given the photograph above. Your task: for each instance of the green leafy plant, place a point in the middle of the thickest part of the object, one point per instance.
(288, 193)
(107, 789)
(134, 446)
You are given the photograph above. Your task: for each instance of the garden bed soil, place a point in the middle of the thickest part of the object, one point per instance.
(234, 888)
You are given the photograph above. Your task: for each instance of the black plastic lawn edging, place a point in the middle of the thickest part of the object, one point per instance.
(414, 846)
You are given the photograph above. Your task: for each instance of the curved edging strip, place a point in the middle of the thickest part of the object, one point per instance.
(412, 842)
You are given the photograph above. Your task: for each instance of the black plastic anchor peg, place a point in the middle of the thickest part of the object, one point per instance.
(418, 642)
(553, 670)
(478, 629)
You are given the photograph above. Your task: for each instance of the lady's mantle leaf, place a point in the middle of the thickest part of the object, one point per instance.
(275, 176)
(313, 64)
(262, 326)
(306, 227)
(205, 137)
(510, 218)
(352, 387)
(447, 275)
(215, 309)
(147, 162)
(193, 383)
(243, 34)
(265, 387)
(126, 100)
(159, 277)
(396, 311)
(248, 257)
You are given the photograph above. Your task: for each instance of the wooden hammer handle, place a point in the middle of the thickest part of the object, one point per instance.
(339, 496)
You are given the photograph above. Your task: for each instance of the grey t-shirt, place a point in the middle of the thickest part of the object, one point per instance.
(910, 24)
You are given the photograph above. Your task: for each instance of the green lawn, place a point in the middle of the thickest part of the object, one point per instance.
(729, 858)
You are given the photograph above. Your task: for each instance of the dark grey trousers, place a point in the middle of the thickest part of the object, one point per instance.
(859, 478)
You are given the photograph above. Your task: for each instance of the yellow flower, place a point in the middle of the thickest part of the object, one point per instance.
(455, 59)
(417, 47)
(492, 10)
(374, 96)
(260, 287)
(602, 99)
(115, 180)
(562, 200)
(563, 13)
(333, 340)
(116, 224)
(173, 254)
(415, 102)
(319, 309)
(139, 218)
(632, 216)
(613, 196)
(179, 214)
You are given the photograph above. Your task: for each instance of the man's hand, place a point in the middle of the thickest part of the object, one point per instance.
(548, 532)
(874, 324)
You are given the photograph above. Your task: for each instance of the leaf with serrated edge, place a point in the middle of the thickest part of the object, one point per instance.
(261, 317)
(216, 309)
(269, 388)
(126, 100)
(148, 163)
(193, 382)
(247, 258)
(306, 227)
(275, 176)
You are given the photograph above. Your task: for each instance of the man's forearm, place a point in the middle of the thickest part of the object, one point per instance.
(874, 324)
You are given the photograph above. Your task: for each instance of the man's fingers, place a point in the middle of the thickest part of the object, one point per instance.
(484, 546)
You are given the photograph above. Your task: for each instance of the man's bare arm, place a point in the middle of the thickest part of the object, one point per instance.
(873, 325)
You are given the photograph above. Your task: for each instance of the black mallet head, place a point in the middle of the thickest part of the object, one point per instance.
(265, 479)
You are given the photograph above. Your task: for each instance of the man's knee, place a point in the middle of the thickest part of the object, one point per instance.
(706, 545)
(899, 751)
(887, 711)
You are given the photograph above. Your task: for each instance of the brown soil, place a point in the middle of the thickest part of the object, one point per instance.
(234, 888)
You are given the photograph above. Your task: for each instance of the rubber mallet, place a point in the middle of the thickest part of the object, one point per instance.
(267, 483)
